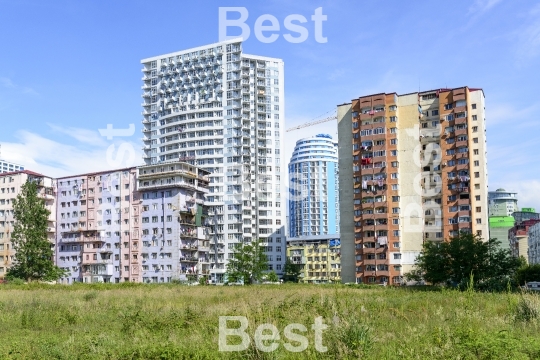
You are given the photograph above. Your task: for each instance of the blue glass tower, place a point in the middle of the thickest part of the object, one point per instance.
(314, 187)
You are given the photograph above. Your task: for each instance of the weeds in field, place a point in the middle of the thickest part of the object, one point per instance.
(179, 322)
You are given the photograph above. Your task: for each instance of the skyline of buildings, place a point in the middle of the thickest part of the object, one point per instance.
(407, 169)
(413, 168)
(220, 109)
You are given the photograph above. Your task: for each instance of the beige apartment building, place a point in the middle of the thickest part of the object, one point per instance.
(413, 168)
(10, 187)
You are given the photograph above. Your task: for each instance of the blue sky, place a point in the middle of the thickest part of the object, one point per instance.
(68, 68)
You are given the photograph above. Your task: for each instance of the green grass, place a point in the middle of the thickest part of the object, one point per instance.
(130, 321)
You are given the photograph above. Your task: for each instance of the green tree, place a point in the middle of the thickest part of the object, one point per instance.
(33, 260)
(453, 262)
(248, 263)
(528, 273)
(291, 271)
(272, 277)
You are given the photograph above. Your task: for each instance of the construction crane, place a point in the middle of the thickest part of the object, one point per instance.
(333, 117)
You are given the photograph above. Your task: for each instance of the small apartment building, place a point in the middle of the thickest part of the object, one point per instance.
(533, 243)
(319, 257)
(10, 187)
(413, 168)
(518, 237)
(98, 227)
(175, 244)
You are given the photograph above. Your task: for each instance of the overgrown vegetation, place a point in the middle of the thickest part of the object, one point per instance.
(151, 321)
(453, 262)
(528, 273)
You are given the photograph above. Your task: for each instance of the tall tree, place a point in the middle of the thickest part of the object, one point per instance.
(291, 271)
(454, 261)
(248, 263)
(33, 258)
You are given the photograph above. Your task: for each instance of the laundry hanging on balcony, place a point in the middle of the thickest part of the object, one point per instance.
(366, 161)
(364, 184)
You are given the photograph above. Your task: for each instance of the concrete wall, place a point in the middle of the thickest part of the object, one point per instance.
(344, 117)
(409, 148)
(479, 185)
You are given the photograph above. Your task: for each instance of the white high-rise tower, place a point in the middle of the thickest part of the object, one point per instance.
(222, 110)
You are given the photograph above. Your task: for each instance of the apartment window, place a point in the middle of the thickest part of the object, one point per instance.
(475, 152)
(396, 209)
(434, 112)
(475, 140)
(477, 197)
(474, 117)
(397, 256)
(475, 128)
(477, 186)
(395, 164)
(395, 198)
(476, 174)
(393, 141)
(478, 221)
(394, 176)
(393, 130)
(478, 209)
(395, 187)
(473, 106)
(476, 163)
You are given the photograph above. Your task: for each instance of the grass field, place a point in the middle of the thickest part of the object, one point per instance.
(132, 321)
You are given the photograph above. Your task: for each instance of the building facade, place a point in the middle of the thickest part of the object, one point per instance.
(314, 187)
(501, 206)
(518, 237)
(502, 203)
(318, 256)
(97, 236)
(175, 242)
(6, 166)
(533, 243)
(222, 110)
(413, 168)
(10, 187)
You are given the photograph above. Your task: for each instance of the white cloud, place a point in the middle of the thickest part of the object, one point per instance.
(56, 159)
(481, 6)
(504, 113)
(83, 135)
(528, 36)
(9, 84)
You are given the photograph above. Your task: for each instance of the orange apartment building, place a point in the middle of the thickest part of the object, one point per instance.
(413, 168)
